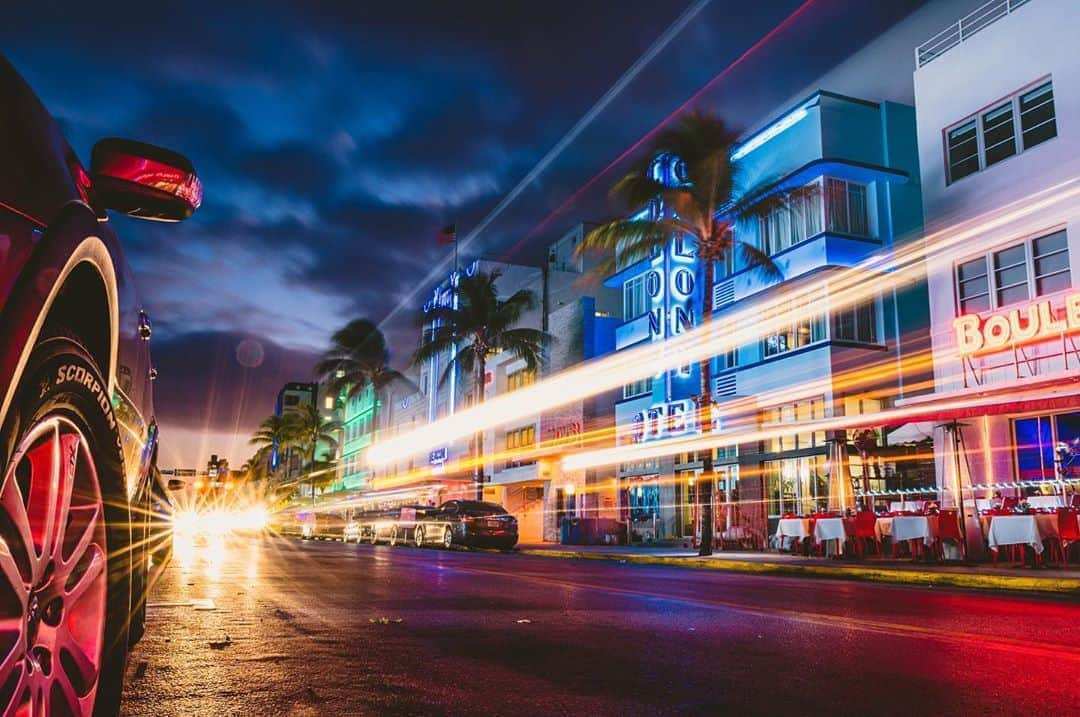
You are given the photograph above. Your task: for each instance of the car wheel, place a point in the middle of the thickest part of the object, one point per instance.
(447, 538)
(418, 537)
(393, 537)
(374, 536)
(65, 576)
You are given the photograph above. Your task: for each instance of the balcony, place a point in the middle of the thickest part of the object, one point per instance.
(963, 29)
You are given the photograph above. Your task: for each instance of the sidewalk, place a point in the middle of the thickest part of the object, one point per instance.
(886, 570)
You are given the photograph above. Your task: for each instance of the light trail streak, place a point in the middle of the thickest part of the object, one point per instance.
(657, 449)
(759, 317)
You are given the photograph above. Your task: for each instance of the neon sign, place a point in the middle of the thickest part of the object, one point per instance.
(1037, 321)
(669, 287)
(673, 418)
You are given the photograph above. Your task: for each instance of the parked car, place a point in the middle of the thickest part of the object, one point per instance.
(476, 524)
(75, 402)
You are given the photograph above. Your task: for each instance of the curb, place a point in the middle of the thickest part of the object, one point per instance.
(1013, 583)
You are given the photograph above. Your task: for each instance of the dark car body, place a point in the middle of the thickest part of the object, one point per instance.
(64, 282)
(61, 260)
(478, 524)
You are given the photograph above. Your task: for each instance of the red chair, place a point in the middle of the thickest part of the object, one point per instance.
(1068, 532)
(866, 529)
(1009, 502)
(949, 529)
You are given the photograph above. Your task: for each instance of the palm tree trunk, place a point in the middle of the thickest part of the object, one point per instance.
(478, 438)
(314, 447)
(707, 480)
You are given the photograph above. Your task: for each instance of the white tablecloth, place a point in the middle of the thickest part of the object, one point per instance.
(1046, 501)
(829, 529)
(898, 505)
(883, 527)
(793, 528)
(1021, 530)
(913, 527)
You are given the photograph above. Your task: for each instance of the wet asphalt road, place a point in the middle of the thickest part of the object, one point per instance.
(305, 636)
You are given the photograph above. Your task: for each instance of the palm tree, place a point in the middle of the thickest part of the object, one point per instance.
(308, 430)
(257, 467)
(274, 433)
(358, 356)
(705, 202)
(479, 326)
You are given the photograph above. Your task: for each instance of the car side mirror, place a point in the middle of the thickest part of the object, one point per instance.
(145, 181)
(176, 484)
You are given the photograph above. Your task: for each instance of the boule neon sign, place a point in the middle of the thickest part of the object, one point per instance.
(1038, 321)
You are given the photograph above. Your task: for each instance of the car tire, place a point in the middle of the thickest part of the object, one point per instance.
(393, 537)
(374, 536)
(418, 537)
(63, 401)
(447, 539)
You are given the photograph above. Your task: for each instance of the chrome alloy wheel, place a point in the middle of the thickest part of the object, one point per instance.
(447, 538)
(52, 574)
(418, 536)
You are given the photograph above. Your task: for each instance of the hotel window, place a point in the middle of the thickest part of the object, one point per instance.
(521, 439)
(637, 388)
(809, 410)
(973, 286)
(634, 298)
(1009, 275)
(520, 379)
(1037, 121)
(803, 331)
(858, 323)
(800, 220)
(979, 142)
(845, 207)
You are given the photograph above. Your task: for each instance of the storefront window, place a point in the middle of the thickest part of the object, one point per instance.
(644, 499)
(796, 485)
(1047, 446)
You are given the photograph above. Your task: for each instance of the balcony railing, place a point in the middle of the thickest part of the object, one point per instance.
(963, 29)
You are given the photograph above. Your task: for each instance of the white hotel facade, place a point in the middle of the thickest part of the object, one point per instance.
(998, 114)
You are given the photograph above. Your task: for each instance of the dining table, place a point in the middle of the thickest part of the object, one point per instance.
(833, 533)
(1025, 529)
(788, 529)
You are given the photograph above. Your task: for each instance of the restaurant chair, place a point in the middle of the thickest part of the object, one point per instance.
(1009, 503)
(1068, 533)
(866, 529)
(949, 529)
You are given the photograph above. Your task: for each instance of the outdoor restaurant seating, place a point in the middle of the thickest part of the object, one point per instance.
(1020, 528)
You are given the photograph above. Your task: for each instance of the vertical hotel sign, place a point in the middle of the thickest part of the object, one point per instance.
(669, 286)
(1037, 321)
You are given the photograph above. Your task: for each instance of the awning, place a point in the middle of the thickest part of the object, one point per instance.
(911, 433)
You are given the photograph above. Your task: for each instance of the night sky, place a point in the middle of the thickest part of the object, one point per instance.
(334, 139)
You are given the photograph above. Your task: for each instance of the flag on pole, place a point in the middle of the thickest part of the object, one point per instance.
(447, 235)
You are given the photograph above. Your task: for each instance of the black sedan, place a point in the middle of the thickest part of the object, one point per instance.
(477, 524)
